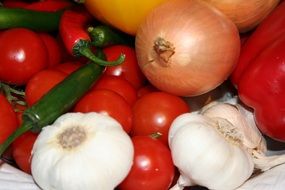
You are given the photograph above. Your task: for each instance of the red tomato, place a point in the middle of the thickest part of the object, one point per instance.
(53, 49)
(155, 111)
(118, 85)
(8, 119)
(21, 150)
(68, 67)
(107, 102)
(41, 83)
(153, 168)
(129, 69)
(22, 53)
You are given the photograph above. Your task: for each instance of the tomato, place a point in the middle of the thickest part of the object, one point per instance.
(41, 83)
(8, 119)
(155, 111)
(53, 49)
(107, 102)
(68, 67)
(22, 53)
(118, 85)
(153, 168)
(21, 150)
(125, 15)
(129, 69)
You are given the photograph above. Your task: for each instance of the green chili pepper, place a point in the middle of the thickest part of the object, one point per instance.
(102, 36)
(57, 101)
(34, 20)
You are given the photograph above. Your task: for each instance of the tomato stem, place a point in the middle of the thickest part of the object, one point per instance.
(155, 135)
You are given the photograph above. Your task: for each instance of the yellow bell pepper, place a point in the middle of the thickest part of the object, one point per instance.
(125, 15)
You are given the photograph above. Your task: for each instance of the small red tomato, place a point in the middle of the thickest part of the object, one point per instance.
(41, 83)
(109, 103)
(154, 113)
(118, 85)
(23, 54)
(153, 168)
(21, 150)
(53, 49)
(129, 69)
(8, 119)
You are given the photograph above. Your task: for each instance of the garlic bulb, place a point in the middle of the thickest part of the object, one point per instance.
(82, 151)
(218, 147)
(205, 157)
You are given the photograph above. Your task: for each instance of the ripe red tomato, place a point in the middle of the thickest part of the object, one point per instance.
(155, 111)
(53, 49)
(107, 102)
(41, 83)
(21, 150)
(129, 69)
(153, 168)
(118, 85)
(8, 119)
(22, 53)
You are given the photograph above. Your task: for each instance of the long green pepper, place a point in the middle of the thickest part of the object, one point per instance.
(34, 20)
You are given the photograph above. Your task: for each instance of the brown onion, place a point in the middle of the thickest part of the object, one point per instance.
(186, 47)
(246, 14)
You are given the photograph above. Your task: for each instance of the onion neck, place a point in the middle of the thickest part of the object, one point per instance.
(164, 49)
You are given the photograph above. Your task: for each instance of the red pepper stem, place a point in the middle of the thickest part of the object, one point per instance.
(82, 48)
(26, 126)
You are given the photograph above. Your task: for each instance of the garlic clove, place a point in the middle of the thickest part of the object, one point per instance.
(241, 119)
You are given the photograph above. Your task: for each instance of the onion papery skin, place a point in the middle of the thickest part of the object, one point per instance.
(246, 14)
(206, 46)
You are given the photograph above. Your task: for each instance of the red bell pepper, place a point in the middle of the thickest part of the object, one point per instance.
(262, 87)
(269, 30)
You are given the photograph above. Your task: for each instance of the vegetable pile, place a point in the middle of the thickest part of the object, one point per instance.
(157, 95)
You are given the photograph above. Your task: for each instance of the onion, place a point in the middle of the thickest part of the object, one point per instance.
(186, 47)
(246, 14)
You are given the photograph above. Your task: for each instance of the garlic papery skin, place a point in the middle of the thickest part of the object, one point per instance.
(82, 151)
(240, 118)
(206, 156)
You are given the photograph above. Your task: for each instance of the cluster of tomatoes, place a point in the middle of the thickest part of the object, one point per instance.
(35, 62)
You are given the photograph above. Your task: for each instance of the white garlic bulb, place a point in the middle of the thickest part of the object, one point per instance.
(205, 157)
(82, 151)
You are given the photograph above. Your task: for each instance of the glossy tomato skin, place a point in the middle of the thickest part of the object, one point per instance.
(22, 53)
(125, 15)
(155, 111)
(107, 102)
(8, 119)
(118, 85)
(129, 69)
(21, 150)
(153, 168)
(41, 83)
